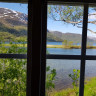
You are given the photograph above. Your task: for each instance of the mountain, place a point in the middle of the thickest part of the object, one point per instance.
(13, 17)
(13, 23)
(59, 36)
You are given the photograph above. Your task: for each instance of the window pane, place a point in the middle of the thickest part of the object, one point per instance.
(60, 77)
(13, 27)
(13, 77)
(91, 34)
(90, 78)
(64, 30)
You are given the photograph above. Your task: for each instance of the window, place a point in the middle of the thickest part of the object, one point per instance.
(55, 59)
(36, 53)
(13, 48)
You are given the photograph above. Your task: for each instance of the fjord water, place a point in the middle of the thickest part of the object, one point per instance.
(68, 51)
(65, 67)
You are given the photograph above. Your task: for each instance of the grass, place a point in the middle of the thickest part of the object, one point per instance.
(18, 45)
(53, 46)
(89, 89)
(65, 92)
(70, 47)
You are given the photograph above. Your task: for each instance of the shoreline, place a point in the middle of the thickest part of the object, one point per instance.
(89, 89)
(59, 86)
(69, 47)
(52, 46)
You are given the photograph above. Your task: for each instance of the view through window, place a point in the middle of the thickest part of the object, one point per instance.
(13, 40)
(64, 38)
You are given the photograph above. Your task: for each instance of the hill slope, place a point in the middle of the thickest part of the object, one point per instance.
(59, 36)
(12, 23)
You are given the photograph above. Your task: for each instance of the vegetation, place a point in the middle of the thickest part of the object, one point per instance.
(13, 71)
(70, 15)
(50, 77)
(75, 78)
(70, 47)
(89, 88)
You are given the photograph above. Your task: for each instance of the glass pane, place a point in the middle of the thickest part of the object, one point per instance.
(62, 77)
(13, 27)
(91, 34)
(13, 77)
(90, 78)
(64, 30)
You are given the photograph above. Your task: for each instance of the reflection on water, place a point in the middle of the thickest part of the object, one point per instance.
(70, 51)
(64, 51)
(63, 69)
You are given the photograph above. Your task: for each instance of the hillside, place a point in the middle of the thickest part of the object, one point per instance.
(13, 24)
(59, 36)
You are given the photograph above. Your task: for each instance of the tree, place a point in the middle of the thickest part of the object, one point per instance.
(70, 15)
(70, 43)
(65, 42)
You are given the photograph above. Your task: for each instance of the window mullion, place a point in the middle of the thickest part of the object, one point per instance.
(15, 56)
(83, 49)
(43, 49)
(70, 1)
(34, 47)
(54, 56)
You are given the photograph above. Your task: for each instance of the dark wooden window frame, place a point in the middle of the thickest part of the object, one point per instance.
(83, 57)
(36, 54)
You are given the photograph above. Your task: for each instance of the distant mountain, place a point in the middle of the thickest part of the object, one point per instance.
(12, 17)
(13, 22)
(59, 36)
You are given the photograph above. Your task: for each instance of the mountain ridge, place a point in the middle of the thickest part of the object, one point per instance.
(75, 37)
(14, 24)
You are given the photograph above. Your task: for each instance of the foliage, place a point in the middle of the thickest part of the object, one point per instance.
(70, 15)
(65, 42)
(13, 71)
(75, 78)
(52, 37)
(12, 77)
(7, 37)
(89, 89)
(50, 77)
(65, 13)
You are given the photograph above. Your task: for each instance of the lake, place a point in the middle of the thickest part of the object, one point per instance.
(65, 67)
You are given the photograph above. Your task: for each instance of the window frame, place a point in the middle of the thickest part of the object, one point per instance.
(36, 61)
(83, 57)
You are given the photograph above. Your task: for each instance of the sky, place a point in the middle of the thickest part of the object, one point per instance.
(64, 28)
(15, 6)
